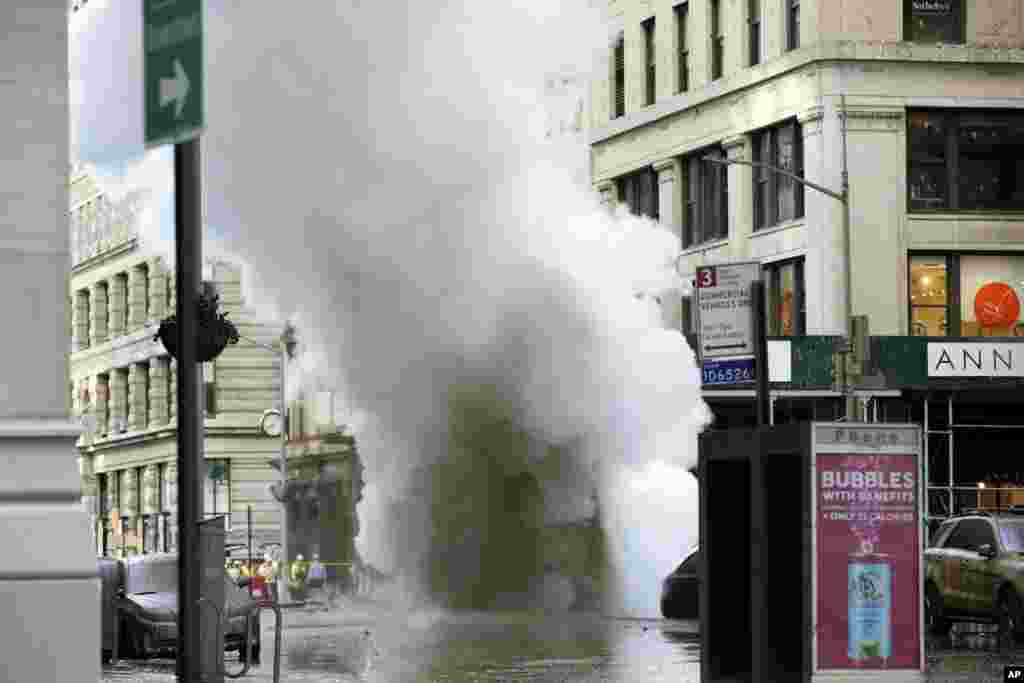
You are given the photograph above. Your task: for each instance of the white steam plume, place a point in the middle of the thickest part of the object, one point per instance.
(384, 171)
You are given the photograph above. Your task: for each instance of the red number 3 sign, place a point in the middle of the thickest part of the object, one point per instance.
(706, 277)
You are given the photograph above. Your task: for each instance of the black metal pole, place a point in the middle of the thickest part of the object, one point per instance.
(188, 267)
(757, 304)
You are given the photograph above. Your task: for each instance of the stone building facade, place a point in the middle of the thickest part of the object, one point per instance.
(919, 105)
(123, 389)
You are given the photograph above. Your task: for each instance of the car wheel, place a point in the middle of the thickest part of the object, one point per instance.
(126, 648)
(1011, 615)
(935, 617)
(143, 645)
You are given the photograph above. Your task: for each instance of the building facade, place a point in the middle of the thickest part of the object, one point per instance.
(123, 390)
(918, 105)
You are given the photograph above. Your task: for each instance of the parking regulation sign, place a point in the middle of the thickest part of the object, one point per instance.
(725, 325)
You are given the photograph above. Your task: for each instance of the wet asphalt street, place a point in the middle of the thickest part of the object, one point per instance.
(374, 642)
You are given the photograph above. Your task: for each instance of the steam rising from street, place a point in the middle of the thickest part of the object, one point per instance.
(387, 175)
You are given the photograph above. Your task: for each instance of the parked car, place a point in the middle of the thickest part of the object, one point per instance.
(974, 571)
(146, 608)
(680, 589)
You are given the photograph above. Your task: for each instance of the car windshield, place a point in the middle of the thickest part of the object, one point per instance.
(152, 574)
(1011, 533)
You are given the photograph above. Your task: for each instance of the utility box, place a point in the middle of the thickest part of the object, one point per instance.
(212, 604)
(811, 538)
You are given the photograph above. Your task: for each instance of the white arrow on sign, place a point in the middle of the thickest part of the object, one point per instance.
(175, 89)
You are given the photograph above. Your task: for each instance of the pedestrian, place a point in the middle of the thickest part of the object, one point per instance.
(315, 581)
(297, 578)
(266, 571)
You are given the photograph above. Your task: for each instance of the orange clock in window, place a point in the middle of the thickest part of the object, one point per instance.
(996, 305)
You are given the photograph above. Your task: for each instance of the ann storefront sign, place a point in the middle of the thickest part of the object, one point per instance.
(975, 360)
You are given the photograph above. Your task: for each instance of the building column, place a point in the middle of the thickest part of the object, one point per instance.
(607, 191)
(138, 396)
(101, 395)
(117, 291)
(741, 200)
(129, 491)
(824, 268)
(157, 290)
(138, 299)
(171, 505)
(118, 400)
(158, 396)
(98, 331)
(172, 293)
(80, 313)
(90, 493)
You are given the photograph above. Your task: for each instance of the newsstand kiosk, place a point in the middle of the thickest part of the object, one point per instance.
(812, 548)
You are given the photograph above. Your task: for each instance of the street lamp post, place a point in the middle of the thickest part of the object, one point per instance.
(842, 196)
(281, 429)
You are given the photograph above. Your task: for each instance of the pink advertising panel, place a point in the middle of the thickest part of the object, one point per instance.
(868, 555)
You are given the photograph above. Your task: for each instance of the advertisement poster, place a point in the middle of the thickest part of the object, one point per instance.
(868, 561)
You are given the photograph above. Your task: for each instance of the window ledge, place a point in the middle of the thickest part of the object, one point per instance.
(946, 215)
(705, 246)
(779, 227)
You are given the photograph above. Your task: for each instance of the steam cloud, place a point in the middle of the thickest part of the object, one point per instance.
(386, 174)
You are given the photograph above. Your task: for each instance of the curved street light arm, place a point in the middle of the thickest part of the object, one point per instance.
(841, 196)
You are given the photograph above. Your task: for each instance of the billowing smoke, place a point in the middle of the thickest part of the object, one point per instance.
(399, 181)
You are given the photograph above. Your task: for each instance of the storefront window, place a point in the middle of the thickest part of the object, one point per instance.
(929, 296)
(784, 285)
(991, 288)
(933, 21)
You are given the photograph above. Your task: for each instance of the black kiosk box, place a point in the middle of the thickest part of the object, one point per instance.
(812, 548)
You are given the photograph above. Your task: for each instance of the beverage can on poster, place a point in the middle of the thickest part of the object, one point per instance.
(870, 608)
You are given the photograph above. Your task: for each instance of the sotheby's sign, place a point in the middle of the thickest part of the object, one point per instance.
(980, 359)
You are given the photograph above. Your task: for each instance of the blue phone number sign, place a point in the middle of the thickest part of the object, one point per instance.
(733, 371)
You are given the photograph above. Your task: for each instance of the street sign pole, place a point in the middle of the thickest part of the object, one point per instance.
(760, 327)
(173, 95)
(188, 269)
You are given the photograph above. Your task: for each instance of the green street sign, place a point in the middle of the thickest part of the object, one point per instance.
(172, 46)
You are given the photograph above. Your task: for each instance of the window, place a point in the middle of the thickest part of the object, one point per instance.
(792, 24)
(754, 20)
(682, 15)
(650, 64)
(965, 161)
(929, 296)
(967, 295)
(686, 315)
(717, 40)
(934, 21)
(971, 534)
(705, 198)
(778, 198)
(639, 191)
(619, 78)
(784, 289)
(941, 534)
(216, 490)
(210, 389)
(168, 507)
